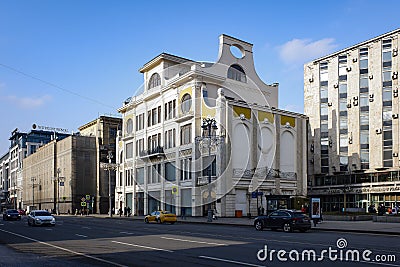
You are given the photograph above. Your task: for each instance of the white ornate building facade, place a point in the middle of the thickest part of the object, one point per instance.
(256, 159)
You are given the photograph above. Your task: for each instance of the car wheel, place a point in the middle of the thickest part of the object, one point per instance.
(29, 223)
(146, 220)
(287, 227)
(258, 225)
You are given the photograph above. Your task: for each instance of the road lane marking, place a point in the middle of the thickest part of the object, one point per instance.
(65, 249)
(86, 227)
(126, 233)
(81, 235)
(231, 261)
(193, 241)
(139, 246)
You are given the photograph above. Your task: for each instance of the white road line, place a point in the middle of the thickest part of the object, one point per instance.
(139, 246)
(86, 227)
(193, 241)
(65, 249)
(231, 261)
(126, 233)
(81, 235)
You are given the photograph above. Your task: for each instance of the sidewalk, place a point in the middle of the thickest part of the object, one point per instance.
(338, 226)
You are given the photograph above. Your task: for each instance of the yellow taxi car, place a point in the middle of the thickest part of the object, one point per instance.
(160, 217)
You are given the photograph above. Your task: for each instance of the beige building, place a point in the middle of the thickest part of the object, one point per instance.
(59, 174)
(351, 99)
(105, 130)
(255, 159)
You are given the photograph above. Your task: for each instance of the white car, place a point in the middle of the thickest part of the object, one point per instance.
(41, 217)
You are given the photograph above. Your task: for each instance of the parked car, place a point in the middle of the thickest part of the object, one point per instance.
(41, 217)
(161, 217)
(21, 212)
(287, 220)
(11, 215)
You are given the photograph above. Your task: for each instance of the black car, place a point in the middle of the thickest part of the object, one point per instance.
(288, 220)
(11, 215)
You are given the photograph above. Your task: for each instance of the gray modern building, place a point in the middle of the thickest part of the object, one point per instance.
(351, 99)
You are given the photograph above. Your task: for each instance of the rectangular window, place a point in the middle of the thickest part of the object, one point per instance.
(129, 150)
(342, 88)
(186, 169)
(363, 63)
(342, 104)
(364, 137)
(209, 165)
(170, 171)
(186, 134)
(364, 100)
(140, 175)
(324, 92)
(364, 82)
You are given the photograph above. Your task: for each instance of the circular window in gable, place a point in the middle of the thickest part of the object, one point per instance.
(186, 103)
(237, 51)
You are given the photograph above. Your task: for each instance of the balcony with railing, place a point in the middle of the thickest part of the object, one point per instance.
(157, 151)
(203, 180)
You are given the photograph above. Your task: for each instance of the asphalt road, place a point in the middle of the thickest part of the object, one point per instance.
(87, 241)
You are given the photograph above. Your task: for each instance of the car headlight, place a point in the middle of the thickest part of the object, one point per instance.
(37, 219)
(53, 220)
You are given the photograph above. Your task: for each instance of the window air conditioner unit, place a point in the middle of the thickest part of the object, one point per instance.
(355, 98)
(371, 77)
(311, 79)
(348, 105)
(395, 154)
(395, 75)
(329, 104)
(395, 116)
(354, 60)
(395, 52)
(350, 140)
(348, 68)
(336, 85)
(355, 103)
(378, 131)
(395, 93)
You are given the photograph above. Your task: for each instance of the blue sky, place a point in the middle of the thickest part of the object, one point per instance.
(64, 63)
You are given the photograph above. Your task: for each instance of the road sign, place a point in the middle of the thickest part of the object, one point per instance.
(83, 199)
(87, 197)
(61, 183)
(83, 204)
(175, 190)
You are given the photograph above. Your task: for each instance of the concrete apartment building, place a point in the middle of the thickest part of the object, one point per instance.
(59, 174)
(65, 174)
(11, 164)
(105, 130)
(351, 99)
(256, 158)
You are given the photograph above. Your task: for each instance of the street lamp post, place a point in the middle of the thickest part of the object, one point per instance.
(57, 191)
(209, 125)
(109, 167)
(33, 179)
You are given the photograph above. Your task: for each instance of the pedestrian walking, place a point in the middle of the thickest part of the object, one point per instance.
(128, 211)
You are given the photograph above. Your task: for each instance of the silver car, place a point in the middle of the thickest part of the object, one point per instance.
(41, 217)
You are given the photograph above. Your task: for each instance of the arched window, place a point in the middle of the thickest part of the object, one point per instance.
(186, 103)
(129, 126)
(235, 72)
(155, 80)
